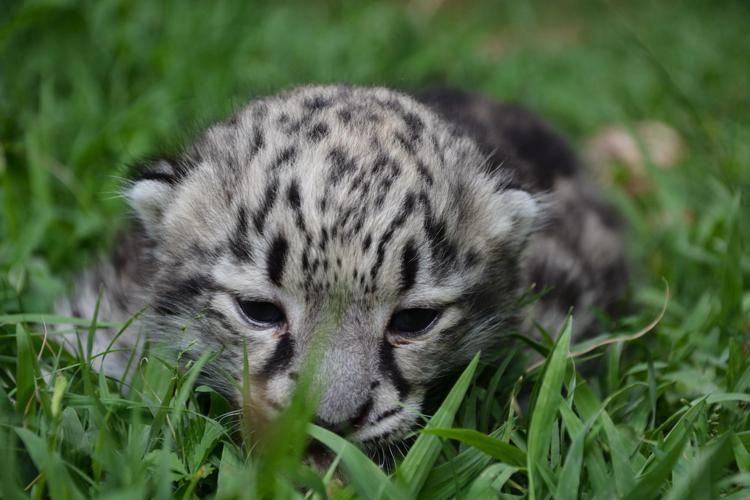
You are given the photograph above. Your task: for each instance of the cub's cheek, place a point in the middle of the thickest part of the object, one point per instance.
(421, 361)
(279, 390)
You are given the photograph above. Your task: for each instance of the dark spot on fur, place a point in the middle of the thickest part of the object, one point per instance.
(276, 259)
(345, 115)
(318, 132)
(367, 242)
(341, 164)
(287, 155)
(414, 125)
(471, 258)
(316, 103)
(269, 198)
(181, 295)
(443, 249)
(293, 195)
(239, 243)
(258, 140)
(408, 145)
(409, 266)
(281, 357)
(424, 173)
(380, 162)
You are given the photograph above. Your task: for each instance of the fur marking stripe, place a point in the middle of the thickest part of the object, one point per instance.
(182, 295)
(239, 243)
(409, 266)
(281, 357)
(407, 208)
(276, 259)
(288, 155)
(269, 198)
(389, 368)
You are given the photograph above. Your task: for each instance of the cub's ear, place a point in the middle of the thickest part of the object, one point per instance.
(152, 189)
(512, 215)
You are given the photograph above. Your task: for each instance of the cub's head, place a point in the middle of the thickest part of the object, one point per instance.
(355, 208)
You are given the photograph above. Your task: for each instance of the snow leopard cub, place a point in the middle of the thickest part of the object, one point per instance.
(416, 223)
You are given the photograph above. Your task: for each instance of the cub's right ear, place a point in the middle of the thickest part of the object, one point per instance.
(152, 189)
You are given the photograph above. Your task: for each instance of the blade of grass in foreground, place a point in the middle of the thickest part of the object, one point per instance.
(366, 477)
(490, 481)
(24, 370)
(699, 480)
(416, 466)
(495, 448)
(570, 475)
(545, 409)
(448, 479)
(52, 319)
(51, 467)
(662, 465)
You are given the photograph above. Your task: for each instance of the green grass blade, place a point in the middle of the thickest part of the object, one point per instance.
(624, 474)
(741, 455)
(490, 481)
(415, 468)
(545, 408)
(448, 479)
(49, 463)
(662, 464)
(570, 475)
(8, 466)
(493, 447)
(24, 370)
(366, 477)
(698, 481)
(186, 388)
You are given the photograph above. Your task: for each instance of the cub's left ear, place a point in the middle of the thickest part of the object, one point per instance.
(152, 190)
(512, 215)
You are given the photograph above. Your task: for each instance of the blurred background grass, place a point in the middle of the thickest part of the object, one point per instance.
(87, 87)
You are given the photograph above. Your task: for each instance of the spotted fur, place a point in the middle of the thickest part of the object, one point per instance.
(348, 204)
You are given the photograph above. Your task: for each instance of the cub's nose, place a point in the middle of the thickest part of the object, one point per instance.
(348, 424)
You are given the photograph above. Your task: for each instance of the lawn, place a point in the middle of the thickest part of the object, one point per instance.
(88, 87)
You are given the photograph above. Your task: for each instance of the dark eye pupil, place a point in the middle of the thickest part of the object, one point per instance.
(411, 321)
(261, 312)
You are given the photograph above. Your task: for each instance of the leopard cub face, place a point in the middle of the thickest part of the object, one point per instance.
(353, 214)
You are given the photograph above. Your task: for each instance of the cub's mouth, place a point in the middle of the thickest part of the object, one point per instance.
(377, 425)
(384, 437)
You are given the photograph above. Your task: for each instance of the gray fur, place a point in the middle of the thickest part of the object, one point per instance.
(352, 203)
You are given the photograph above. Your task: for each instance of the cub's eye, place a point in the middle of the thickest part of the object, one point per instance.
(261, 313)
(412, 321)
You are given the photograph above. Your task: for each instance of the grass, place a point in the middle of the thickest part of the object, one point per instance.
(87, 87)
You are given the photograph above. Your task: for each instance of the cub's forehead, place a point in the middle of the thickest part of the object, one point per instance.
(330, 134)
(328, 187)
